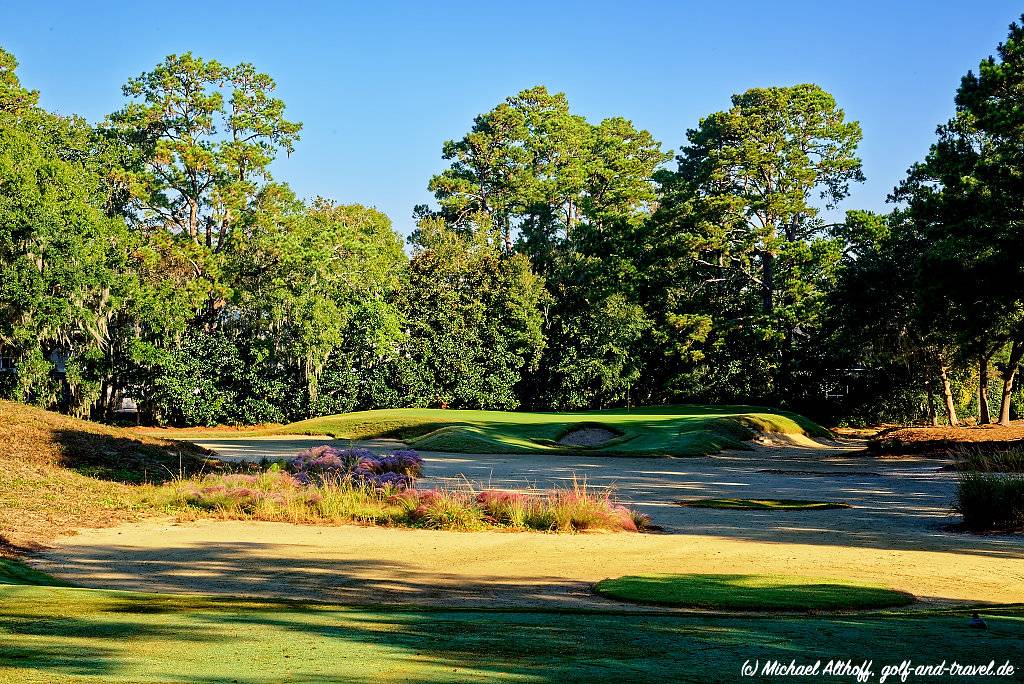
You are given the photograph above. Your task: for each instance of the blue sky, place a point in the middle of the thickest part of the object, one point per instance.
(380, 85)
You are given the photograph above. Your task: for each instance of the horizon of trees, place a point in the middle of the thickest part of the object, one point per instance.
(567, 264)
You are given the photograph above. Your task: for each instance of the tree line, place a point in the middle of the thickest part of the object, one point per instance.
(565, 263)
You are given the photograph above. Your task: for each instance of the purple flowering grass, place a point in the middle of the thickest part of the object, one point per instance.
(326, 464)
(328, 484)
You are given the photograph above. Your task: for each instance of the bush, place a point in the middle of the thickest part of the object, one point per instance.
(991, 500)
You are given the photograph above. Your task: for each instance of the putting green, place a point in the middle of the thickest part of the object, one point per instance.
(765, 504)
(751, 592)
(644, 431)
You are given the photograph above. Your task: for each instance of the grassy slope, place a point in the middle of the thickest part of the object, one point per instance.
(751, 592)
(77, 635)
(60, 473)
(671, 430)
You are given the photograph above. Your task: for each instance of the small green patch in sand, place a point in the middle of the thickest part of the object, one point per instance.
(751, 592)
(764, 504)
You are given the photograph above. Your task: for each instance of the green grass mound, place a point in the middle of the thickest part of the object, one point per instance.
(765, 504)
(751, 592)
(13, 572)
(644, 431)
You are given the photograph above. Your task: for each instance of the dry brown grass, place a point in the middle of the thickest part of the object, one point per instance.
(59, 473)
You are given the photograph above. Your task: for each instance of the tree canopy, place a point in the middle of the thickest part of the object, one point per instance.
(564, 264)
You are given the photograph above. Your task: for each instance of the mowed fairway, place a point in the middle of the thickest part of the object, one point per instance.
(691, 430)
(54, 634)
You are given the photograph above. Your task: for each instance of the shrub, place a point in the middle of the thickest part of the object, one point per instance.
(512, 509)
(991, 500)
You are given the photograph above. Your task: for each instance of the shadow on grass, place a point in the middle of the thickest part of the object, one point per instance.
(126, 459)
(116, 638)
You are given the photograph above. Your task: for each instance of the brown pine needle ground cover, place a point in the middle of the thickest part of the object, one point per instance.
(944, 439)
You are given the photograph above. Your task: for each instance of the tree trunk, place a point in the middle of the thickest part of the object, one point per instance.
(983, 413)
(193, 220)
(947, 393)
(1009, 374)
(767, 281)
(933, 418)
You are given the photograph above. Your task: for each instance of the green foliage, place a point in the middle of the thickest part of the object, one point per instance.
(570, 195)
(744, 257)
(155, 258)
(201, 137)
(59, 285)
(474, 316)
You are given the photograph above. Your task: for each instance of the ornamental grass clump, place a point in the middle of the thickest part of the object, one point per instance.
(327, 464)
(991, 500)
(990, 488)
(328, 485)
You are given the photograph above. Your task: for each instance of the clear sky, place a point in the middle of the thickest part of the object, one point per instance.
(380, 85)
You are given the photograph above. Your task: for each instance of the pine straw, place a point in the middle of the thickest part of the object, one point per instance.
(61, 473)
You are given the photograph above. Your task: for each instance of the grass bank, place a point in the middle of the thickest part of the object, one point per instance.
(60, 473)
(645, 431)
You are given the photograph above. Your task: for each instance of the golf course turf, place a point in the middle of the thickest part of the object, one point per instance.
(79, 635)
(643, 431)
(751, 592)
(764, 504)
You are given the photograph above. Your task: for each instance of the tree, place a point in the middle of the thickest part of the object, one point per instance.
(201, 137)
(967, 196)
(538, 171)
(474, 317)
(741, 208)
(62, 260)
(571, 196)
(14, 99)
(989, 101)
(316, 276)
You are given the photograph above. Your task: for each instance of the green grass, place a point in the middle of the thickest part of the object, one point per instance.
(751, 592)
(764, 504)
(13, 572)
(645, 431)
(77, 635)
